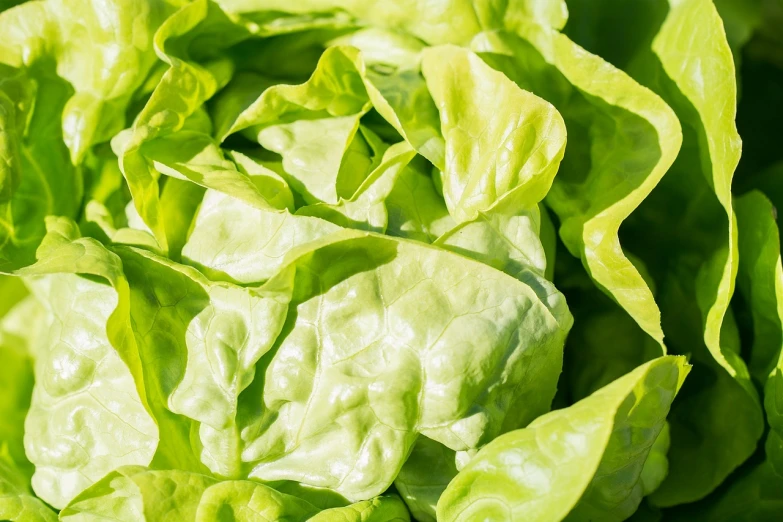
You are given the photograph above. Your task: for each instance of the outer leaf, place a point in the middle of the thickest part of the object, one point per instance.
(548, 236)
(246, 501)
(133, 494)
(13, 291)
(36, 178)
(656, 468)
(17, 502)
(689, 63)
(199, 349)
(591, 195)
(86, 416)
(754, 495)
(104, 51)
(719, 141)
(685, 232)
(19, 329)
(397, 356)
(580, 463)
(761, 281)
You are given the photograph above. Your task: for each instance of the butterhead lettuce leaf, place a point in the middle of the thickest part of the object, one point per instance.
(579, 463)
(390, 261)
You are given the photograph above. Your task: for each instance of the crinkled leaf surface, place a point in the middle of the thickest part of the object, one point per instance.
(133, 493)
(316, 276)
(86, 416)
(417, 303)
(104, 54)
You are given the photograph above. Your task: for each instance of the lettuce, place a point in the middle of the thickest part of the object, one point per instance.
(352, 260)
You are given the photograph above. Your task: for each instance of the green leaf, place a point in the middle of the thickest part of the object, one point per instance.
(104, 52)
(379, 509)
(252, 253)
(246, 501)
(186, 38)
(385, 52)
(17, 501)
(433, 22)
(194, 156)
(421, 481)
(402, 98)
(580, 463)
(685, 230)
(717, 138)
(740, 19)
(505, 238)
(269, 183)
(689, 64)
(487, 157)
(18, 343)
(415, 209)
(755, 494)
(362, 157)
(656, 467)
(86, 411)
(133, 493)
(213, 334)
(36, 176)
(761, 282)
(366, 209)
(592, 195)
(456, 388)
(312, 125)
(13, 291)
(293, 260)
